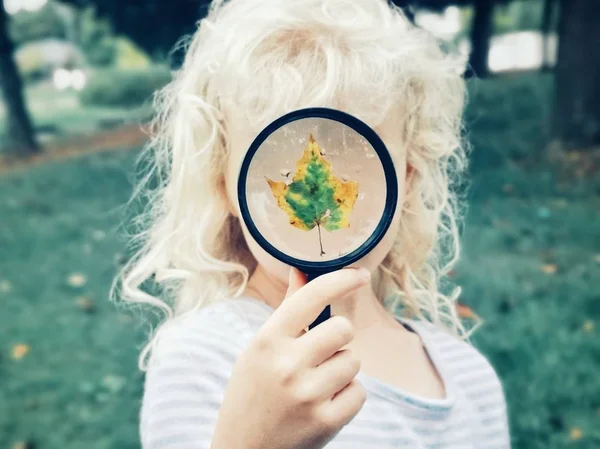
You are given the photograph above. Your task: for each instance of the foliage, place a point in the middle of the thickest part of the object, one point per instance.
(124, 88)
(31, 63)
(520, 15)
(58, 114)
(155, 25)
(37, 60)
(96, 38)
(315, 197)
(130, 56)
(29, 26)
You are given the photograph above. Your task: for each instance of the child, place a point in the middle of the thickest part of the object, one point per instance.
(232, 367)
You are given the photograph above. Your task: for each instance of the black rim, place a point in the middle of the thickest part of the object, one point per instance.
(391, 190)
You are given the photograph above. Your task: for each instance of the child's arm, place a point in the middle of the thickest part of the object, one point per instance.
(186, 380)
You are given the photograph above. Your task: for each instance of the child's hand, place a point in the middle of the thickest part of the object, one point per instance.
(293, 389)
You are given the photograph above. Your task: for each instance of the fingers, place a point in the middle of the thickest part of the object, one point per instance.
(345, 404)
(296, 281)
(325, 340)
(327, 379)
(300, 309)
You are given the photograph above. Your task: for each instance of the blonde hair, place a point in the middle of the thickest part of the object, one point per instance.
(264, 58)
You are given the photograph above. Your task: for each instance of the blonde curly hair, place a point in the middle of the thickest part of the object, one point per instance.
(264, 58)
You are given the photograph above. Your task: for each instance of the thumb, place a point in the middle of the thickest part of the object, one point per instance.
(296, 280)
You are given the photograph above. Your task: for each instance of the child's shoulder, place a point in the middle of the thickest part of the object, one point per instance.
(228, 324)
(461, 361)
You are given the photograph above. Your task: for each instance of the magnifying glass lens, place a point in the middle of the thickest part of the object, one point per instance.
(316, 189)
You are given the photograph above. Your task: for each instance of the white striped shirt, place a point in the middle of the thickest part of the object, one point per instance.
(187, 377)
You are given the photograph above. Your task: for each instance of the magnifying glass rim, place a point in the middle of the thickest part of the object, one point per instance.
(391, 199)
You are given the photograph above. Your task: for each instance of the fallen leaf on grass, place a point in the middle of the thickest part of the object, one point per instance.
(575, 434)
(77, 280)
(465, 312)
(549, 268)
(86, 304)
(19, 351)
(23, 445)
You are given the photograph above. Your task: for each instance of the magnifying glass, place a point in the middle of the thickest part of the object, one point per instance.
(317, 190)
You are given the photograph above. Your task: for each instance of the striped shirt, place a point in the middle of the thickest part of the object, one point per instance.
(192, 363)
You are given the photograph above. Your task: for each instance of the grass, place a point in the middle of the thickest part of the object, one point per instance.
(531, 246)
(531, 257)
(79, 385)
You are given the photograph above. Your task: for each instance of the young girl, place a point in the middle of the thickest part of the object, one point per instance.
(232, 366)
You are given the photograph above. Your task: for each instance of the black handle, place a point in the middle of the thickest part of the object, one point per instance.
(326, 313)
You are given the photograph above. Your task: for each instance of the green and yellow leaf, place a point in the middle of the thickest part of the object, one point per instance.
(315, 197)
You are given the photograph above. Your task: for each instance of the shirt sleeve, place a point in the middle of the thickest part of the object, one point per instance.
(186, 381)
(495, 417)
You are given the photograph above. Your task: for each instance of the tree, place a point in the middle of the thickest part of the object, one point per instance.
(481, 32)
(548, 25)
(20, 130)
(31, 26)
(155, 25)
(577, 107)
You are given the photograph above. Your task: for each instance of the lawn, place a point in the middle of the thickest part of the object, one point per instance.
(531, 254)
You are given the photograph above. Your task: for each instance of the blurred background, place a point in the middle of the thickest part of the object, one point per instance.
(76, 79)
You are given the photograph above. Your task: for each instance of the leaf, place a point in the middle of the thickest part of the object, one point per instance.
(85, 304)
(315, 197)
(19, 351)
(588, 326)
(77, 280)
(549, 268)
(575, 434)
(23, 445)
(465, 312)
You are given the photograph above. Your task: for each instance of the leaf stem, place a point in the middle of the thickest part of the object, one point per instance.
(320, 241)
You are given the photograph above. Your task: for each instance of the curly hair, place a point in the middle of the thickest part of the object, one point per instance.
(263, 58)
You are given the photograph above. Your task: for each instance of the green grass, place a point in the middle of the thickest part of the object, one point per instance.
(79, 385)
(524, 216)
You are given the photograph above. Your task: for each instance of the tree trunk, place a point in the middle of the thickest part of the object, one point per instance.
(481, 33)
(548, 14)
(577, 107)
(20, 131)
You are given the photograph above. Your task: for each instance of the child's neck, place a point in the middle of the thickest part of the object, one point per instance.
(363, 308)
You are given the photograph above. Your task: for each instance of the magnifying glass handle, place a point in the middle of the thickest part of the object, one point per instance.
(326, 313)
